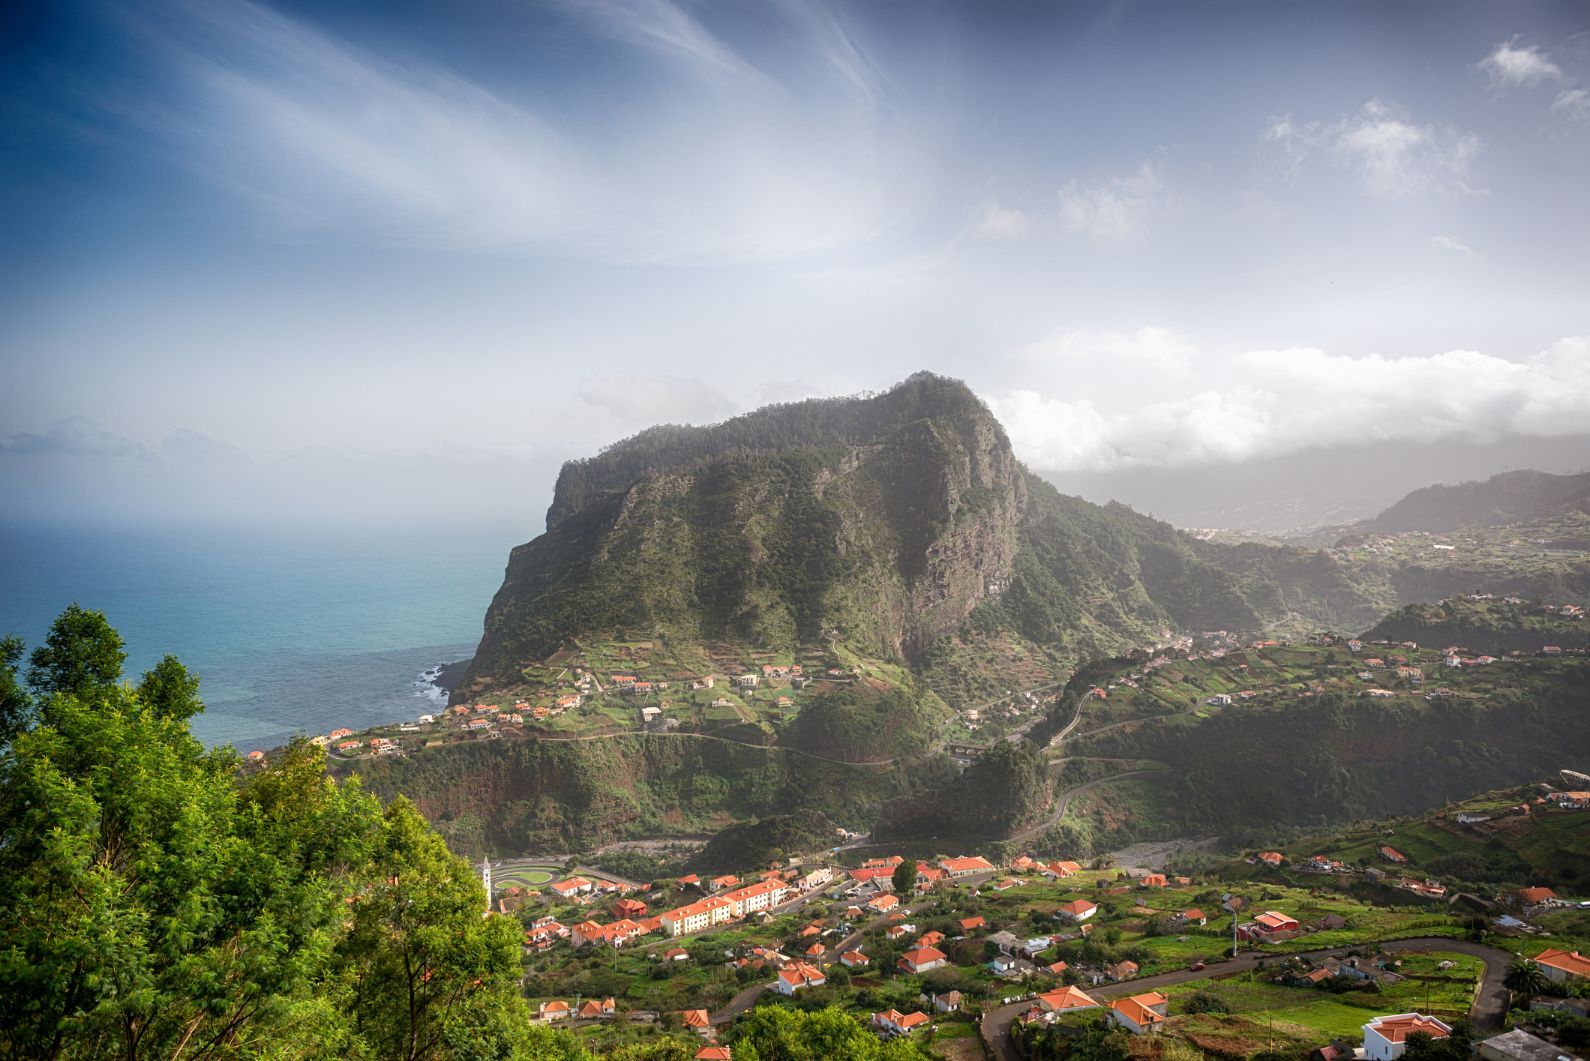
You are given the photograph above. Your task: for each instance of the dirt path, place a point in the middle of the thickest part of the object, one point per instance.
(1062, 802)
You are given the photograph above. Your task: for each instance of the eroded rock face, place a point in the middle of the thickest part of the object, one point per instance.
(883, 521)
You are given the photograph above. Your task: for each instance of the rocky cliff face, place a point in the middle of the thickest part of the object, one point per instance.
(879, 521)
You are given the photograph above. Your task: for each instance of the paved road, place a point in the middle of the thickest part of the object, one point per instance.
(1490, 1004)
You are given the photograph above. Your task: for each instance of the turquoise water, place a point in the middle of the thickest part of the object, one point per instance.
(288, 632)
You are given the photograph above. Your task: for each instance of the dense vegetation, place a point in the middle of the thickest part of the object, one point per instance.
(575, 795)
(1005, 788)
(766, 840)
(1333, 757)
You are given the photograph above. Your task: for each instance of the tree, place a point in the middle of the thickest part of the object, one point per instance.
(1524, 977)
(170, 691)
(904, 879)
(155, 904)
(15, 703)
(81, 655)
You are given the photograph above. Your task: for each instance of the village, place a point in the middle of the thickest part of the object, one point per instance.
(961, 952)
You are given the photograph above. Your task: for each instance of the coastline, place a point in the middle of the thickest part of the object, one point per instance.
(444, 678)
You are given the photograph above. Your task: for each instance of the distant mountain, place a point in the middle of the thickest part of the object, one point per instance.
(1317, 487)
(1511, 497)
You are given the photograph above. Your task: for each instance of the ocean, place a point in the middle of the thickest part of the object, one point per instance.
(289, 632)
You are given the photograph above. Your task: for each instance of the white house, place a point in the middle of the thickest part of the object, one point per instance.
(1385, 1038)
(1140, 1014)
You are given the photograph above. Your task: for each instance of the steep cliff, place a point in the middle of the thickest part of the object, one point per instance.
(881, 522)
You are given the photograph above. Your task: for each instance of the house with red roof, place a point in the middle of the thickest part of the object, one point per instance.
(557, 1009)
(922, 960)
(796, 976)
(1066, 998)
(854, 959)
(971, 924)
(967, 866)
(882, 904)
(1385, 1038)
(1563, 967)
(1140, 1014)
(697, 1020)
(714, 1052)
(892, 1022)
(1078, 910)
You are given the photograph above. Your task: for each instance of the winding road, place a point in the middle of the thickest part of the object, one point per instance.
(1490, 1003)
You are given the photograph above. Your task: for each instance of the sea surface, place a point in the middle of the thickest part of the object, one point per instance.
(290, 633)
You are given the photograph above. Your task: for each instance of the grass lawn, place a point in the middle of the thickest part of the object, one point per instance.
(527, 876)
(1424, 987)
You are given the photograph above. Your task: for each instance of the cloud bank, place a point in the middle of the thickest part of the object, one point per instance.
(1278, 401)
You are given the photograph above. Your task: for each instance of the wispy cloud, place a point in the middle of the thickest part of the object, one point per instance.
(667, 29)
(321, 137)
(1573, 103)
(1392, 155)
(1115, 209)
(1452, 245)
(1510, 63)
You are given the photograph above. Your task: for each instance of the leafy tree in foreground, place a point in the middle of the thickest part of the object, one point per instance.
(152, 904)
(779, 1033)
(15, 703)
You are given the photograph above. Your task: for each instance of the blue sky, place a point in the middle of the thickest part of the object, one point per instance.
(343, 260)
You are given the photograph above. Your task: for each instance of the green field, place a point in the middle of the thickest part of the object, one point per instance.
(1424, 987)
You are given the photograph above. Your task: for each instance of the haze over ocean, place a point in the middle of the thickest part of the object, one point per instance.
(290, 632)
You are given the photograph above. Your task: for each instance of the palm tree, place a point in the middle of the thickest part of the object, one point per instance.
(1524, 977)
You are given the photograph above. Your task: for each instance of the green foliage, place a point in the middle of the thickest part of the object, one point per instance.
(81, 655)
(15, 703)
(171, 691)
(1524, 977)
(782, 1033)
(154, 904)
(1006, 787)
(904, 878)
(759, 842)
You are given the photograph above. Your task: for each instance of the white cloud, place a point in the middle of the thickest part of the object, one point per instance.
(1279, 401)
(1573, 103)
(1510, 64)
(1119, 208)
(641, 401)
(1452, 245)
(1393, 156)
(1006, 223)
